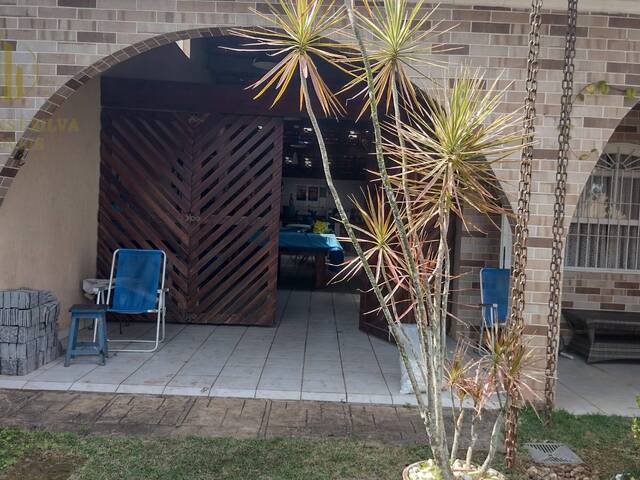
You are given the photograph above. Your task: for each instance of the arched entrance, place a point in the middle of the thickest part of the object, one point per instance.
(601, 284)
(152, 131)
(190, 164)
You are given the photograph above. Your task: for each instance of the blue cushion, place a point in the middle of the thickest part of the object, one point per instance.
(494, 287)
(137, 280)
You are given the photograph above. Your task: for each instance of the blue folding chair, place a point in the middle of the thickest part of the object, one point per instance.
(136, 284)
(494, 295)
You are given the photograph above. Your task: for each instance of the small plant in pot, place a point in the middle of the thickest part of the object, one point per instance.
(478, 383)
(434, 160)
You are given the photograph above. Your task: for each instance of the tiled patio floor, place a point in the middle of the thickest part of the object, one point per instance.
(315, 352)
(609, 387)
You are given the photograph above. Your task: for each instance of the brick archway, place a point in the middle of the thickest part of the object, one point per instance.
(46, 111)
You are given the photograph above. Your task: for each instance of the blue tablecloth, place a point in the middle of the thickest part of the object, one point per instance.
(305, 242)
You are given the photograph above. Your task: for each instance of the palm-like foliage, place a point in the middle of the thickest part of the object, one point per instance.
(378, 237)
(449, 154)
(297, 37)
(400, 42)
(445, 153)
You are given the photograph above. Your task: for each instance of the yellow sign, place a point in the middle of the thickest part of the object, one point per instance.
(13, 78)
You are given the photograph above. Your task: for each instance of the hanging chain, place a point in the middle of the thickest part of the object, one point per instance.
(555, 283)
(521, 230)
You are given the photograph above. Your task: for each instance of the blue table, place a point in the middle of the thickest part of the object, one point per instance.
(314, 245)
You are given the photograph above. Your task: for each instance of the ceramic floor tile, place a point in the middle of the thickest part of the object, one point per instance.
(278, 394)
(324, 396)
(401, 399)
(285, 384)
(232, 392)
(365, 398)
(192, 381)
(12, 383)
(94, 387)
(141, 389)
(43, 385)
(187, 391)
(234, 377)
(327, 385)
(60, 373)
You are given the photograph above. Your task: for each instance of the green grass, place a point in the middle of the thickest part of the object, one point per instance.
(603, 441)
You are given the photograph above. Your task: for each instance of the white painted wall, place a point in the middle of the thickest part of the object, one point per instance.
(48, 238)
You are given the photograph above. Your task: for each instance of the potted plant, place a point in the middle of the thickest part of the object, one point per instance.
(434, 160)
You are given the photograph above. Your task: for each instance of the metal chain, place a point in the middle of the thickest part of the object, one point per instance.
(521, 230)
(555, 283)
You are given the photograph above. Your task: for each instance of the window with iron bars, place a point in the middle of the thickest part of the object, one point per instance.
(604, 232)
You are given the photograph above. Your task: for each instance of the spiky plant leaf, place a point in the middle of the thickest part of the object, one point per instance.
(377, 236)
(509, 364)
(401, 38)
(297, 37)
(449, 153)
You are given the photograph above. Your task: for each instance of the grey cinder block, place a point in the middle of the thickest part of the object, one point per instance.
(9, 334)
(28, 330)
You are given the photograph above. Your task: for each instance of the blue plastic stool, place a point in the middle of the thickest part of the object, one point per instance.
(99, 347)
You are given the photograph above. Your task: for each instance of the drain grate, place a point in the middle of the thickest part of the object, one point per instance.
(552, 454)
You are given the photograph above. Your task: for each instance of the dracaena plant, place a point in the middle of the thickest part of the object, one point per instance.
(437, 157)
(496, 376)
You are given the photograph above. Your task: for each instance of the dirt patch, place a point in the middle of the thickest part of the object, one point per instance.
(38, 466)
(561, 472)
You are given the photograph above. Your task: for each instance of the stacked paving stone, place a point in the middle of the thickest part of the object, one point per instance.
(28, 335)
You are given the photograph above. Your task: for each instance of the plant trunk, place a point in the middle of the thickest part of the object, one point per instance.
(432, 349)
(496, 433)
(438, 321)
(399, 334)
(384, 176)
(456, 430)
(472, 442)
(403, 156)
(493, 444)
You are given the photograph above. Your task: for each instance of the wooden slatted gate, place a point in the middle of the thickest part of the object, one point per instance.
(205, 188)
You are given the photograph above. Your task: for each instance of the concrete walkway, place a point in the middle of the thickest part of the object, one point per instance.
(169, 416)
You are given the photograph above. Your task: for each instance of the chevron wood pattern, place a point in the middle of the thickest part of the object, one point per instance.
(206, 189)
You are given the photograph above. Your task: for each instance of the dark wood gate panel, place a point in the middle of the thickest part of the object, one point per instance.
(206, 189)
(236, 204)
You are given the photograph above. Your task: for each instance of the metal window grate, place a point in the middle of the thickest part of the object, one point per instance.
(552, 454)
(605, 230)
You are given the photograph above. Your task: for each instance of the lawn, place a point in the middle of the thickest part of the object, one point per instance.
(30, 455)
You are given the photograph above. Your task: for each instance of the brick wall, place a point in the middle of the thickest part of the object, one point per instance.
(614, 291)
(475, 248)
(598, 290)
(628, 131)
(61, 44)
